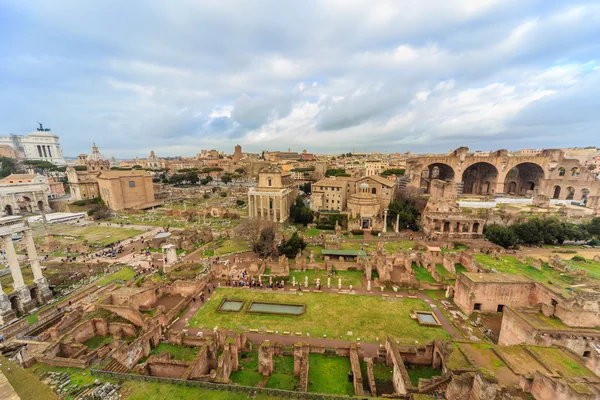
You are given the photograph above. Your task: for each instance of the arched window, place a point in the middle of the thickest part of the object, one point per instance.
(575, 172)
(374, 191)
(570, 193)
(561, 171)
(556, 193)
(270, 181)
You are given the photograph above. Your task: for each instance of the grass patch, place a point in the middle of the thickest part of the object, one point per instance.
(329, 374)
(248, 373)
(421, 372)
(283, 374)
(93, 235)
(393, 247)
(353, 278)
(560, 362)
(368, 317)
(422, 274)
(25, 382)
(232, 246)
(98, 341)
(181, 353)
(444, 274)
(134, 390)
(123, 274)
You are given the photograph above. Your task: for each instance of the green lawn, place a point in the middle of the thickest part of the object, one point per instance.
(24, 382)
(367, 317)
(393, 247)
(420, 371)
(283, 374)
(98, 341)
(592, 267)
(232, 246)
(134, 390)
(422, 274)
(123, 274)
(348, 277)
(358, 246)
(510, 265)
(560, 362)
(444, 274)
(329, 374)
(248, 373)
(94, 235)
(181, 353)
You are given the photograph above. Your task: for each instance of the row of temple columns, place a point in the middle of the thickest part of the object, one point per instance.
(269, 207)
(460, 227)
(25, 302)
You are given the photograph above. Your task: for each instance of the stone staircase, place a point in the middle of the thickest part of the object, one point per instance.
(437, 388)
(115, 366)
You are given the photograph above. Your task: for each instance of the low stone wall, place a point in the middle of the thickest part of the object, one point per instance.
(400, 378)
(356, 372)
(286, 394)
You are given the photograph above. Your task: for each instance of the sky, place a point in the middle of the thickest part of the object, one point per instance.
(326, 76)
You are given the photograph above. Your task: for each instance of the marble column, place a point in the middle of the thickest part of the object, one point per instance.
(22, 291)
(250, 208)
(262, 209)
(281, 209)
(385, 220)
(397, 223)
(255, 206)
(6, 312)
(44, 291)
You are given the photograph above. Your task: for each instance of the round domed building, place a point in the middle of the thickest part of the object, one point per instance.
(364, 204)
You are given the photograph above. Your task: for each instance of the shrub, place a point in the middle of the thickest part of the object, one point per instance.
(357, 232)
(223, 194)
(206, 195)
(375, 232)
(240, 202)
(500, 235)
(579, 259)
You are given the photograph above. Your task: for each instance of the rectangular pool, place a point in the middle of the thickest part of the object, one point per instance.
(231, 305)
(274, 308)
(427, 318)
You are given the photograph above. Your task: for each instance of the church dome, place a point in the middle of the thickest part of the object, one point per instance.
(95, 155)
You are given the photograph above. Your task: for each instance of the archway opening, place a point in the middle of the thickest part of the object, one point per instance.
(24, 204)
(40, 205)
(526, 177)
(440, 171)
(556, 192)
(8, 209)
(570, 193)
(584, 195)
(480, 178)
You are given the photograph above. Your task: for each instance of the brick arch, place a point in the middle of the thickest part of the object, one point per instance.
(436, 170)
(480, 178)
(524, 177)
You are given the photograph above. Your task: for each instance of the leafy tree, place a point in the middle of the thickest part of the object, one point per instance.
(226, 179)
(336, 172)
(206, 195)
(137, 167)
(80, 168)
(292, 246)
(223, 194)
(306, 187)
(501, 235)
(393, 171)
(300, 213)
(240, 171)
(407, 212)
(265, 246)
(240, 202)
(594, 227)
(192, 177)
(7, 166)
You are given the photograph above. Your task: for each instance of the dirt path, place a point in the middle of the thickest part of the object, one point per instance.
(545, 254)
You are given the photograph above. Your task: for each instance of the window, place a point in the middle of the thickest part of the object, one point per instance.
(587, 353)
(500, 307)
(477, 307)
(131, 184)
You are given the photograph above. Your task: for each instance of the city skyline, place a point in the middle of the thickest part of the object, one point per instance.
(380, 77)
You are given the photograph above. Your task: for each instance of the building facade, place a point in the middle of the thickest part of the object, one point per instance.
(41, 145)
(272, 197)
(126, 189)
(84, 184)
(24, 193)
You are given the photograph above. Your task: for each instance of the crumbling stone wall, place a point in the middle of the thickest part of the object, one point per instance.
(265, 358)
(356, 372)
(301, 352)
(400, 378)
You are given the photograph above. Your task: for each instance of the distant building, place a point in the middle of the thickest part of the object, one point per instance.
(23, 193)
(41, 145)
(272, 197)
(126, 189)
(84, 184)
(237, 154)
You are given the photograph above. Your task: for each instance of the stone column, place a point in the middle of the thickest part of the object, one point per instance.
(274, 209)
(397, 223)
(281, 209)
(385, 220)
(250, 209)
(43, 289)
(255, 206)
(262, 209)
(6, 312)
(22, 291)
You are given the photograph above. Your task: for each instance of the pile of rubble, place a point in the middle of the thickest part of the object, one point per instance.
(61, 383)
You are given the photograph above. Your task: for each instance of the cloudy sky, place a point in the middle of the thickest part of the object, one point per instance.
(326, 76)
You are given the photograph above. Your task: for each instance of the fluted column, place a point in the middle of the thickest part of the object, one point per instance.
(25, 303)
(262, 208)
(44, 292)
(385, 220)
